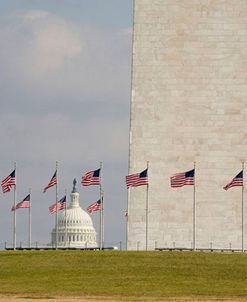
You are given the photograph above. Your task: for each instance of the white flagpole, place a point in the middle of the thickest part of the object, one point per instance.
(103, 225)
(100, 247)
(147, 210)
(194, 209)
(127, 218)
(14, 217)
(66, 235)
(101, 209)
(30, 233)
(56, 203)
(243, 216)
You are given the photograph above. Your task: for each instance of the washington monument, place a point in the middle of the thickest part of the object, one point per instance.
(189, 107)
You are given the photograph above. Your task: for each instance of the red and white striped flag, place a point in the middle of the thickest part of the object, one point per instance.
(91, 178)
(61, 205)
(52, 182)
(137, 179)
(24, 204)
(236, 182)
(183, 179)
(96, 206)
(8, 182)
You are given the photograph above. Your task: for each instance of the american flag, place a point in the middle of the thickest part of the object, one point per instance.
(183, 179)
(236, 182)
(24, 204)
(91, 178)
(96, 206)
(8, 182)
(52, 182)
(138, 179)
(60, 205)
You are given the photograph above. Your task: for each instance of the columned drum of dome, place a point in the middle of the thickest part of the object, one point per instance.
(189, 104)
(75, 226)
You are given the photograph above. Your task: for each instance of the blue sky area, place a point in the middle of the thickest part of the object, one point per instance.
(65, 96)
(100, 13)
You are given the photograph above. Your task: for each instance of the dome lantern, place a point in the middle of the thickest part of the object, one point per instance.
(74, 196)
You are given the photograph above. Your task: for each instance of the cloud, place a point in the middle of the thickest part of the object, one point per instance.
(64, 62)
(41, 43)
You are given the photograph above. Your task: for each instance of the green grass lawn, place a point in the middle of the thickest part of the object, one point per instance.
(119, 273)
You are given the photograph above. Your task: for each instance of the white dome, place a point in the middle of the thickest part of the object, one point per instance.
(75, 227)
(75, 217)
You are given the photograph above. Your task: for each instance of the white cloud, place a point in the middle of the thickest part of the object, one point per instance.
(52, 60)
(41, 42)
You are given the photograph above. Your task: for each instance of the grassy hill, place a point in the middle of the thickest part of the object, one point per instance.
(116, 273)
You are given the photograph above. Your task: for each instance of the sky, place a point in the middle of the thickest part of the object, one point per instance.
(65, 96)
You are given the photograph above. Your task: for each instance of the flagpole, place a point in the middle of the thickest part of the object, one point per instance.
(14, 217)
(66, 235)
(127, 218)
(29, 237)
(243, 216)
(194, 209)
(101, 210)
(103, 225)
(56, 204)
(147, 209)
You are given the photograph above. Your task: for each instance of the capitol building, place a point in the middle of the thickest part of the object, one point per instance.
(75, 226)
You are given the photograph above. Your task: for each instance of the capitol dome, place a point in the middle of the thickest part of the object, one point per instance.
(75, 226)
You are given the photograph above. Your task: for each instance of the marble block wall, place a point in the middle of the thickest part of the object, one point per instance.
(189, 103)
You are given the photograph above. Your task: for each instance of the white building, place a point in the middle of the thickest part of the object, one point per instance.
(189, 104)
(75, 226)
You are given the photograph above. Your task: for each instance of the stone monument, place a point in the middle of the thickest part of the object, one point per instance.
(189, 104)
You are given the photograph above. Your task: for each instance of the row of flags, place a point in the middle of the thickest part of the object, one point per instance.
(61, 205)
(133, 180)
(93, 178)
(90, 178)
(178, 179)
